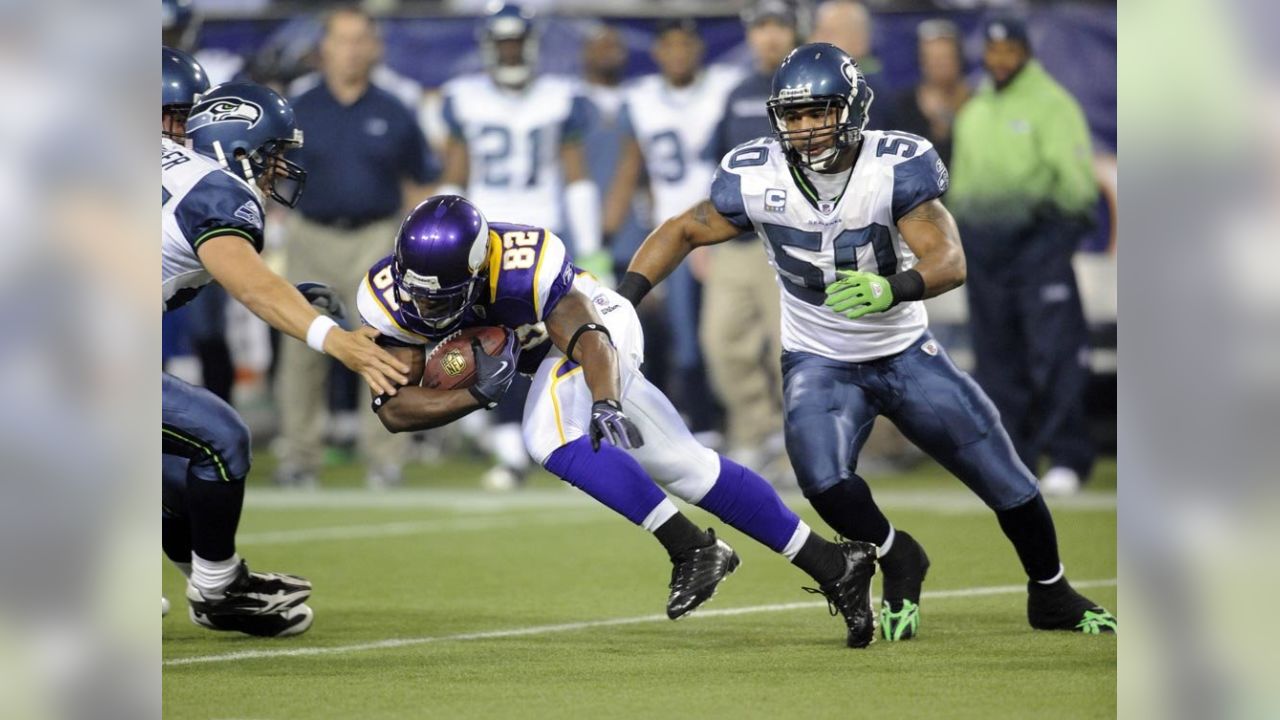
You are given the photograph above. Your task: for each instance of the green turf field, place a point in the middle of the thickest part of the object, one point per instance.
(439, 600)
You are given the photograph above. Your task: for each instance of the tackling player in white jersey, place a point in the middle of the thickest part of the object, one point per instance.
(515, 143)
(212, 223)
(852, 224)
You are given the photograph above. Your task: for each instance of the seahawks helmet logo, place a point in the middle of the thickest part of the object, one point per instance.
(226, 110)
(850, 73)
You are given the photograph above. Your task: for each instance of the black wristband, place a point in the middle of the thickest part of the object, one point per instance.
(585, 328)
(634, 287)
(906, 286)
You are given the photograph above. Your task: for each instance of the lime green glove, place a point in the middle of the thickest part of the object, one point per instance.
(855, 294)
(599, 264)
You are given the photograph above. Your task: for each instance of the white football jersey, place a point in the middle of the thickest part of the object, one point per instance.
(199, 201)
(673, 126)
(513, 143)
(807, 240)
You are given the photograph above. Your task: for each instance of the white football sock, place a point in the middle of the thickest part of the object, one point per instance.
(797, 541)
(887, 544)
(211, 577)
(1062, 570)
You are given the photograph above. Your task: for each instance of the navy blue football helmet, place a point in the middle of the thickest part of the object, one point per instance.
(182, 82)
(248, 128)
(509, 22)
(819, 76)
(440, 258)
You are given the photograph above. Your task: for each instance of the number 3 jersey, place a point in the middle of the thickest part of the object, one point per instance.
(808, 239)
(529, 273)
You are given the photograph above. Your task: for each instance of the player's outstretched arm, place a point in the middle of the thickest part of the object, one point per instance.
(667, 246)
(931, 233)
(577, 330)
(238, 268)
(415, 407)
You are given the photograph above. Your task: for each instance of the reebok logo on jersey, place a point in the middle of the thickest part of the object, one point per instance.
(775, 200)
(250, 213)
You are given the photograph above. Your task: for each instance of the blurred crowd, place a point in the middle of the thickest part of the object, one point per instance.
(380, 139)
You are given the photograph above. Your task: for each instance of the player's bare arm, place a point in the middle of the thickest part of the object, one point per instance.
(456, 163)
(237, 267)
(573, 160)
(574, 316)
(931, 233)
(666, 247)
(417, 408)
(623, 186)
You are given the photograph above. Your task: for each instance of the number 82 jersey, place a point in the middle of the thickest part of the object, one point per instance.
(528, 274)
(808, 239)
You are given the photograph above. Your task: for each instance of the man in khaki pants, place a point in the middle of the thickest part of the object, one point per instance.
(741, 314)
(367, 160)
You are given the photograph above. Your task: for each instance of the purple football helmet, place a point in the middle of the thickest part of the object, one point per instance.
(440, 258)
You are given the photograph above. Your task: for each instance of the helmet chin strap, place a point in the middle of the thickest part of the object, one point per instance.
(513, 76)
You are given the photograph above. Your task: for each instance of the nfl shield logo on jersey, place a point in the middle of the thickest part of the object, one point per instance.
(775, 200)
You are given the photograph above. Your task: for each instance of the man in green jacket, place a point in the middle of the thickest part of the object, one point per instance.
(1023, 191)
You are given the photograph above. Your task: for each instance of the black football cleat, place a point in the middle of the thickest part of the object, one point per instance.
(252, 593)
(1060, 607)
(904, 571)
(697, 573)
(293, 621)
(851, 594)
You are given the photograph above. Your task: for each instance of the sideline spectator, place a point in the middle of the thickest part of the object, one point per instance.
(929, 109)
(367, 161)
(1023, 191)
(741, 325)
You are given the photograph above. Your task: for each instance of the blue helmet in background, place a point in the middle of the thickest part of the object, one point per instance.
(509, 22)
(248, 128)
(817, 76)
(440, 257)
(182, 82)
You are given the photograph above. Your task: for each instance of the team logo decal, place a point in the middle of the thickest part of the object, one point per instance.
(226, 110)
(775, 199)
(850, 73)
(250, 213)
(453, 362)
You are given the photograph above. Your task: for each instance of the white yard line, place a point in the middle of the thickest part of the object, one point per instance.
(957, 499)
(394, 643)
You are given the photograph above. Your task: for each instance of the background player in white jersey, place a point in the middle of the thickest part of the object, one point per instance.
(853, 226)
(211, 217)
(670, 117)
(452, 269)
(515, 143)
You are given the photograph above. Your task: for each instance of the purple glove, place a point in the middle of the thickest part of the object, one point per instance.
(608, 422)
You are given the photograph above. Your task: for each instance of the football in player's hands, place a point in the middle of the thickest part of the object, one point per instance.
(451, 364)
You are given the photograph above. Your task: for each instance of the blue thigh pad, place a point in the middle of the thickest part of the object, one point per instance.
(828, 418)
(202, 428)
